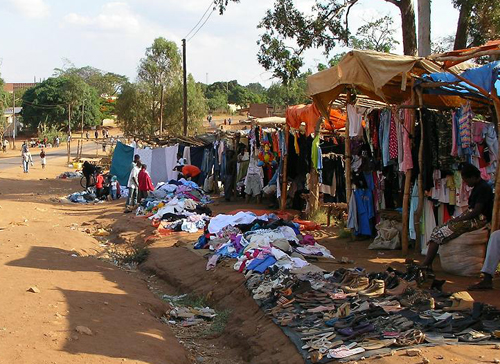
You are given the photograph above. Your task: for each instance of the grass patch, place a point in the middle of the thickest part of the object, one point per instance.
(136, 255)
(218, 324)
(319, 217)
(192, 300)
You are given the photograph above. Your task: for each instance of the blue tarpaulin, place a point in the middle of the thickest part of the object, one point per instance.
(121, 164)
(485, 77)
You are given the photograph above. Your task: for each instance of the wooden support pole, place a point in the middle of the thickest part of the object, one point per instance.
(313, 201)
(420, 208)
(348, 186)
(495, 221)
(284, 175)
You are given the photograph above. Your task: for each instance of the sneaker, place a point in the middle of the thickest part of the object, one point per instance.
(358, 284)
(376, 289)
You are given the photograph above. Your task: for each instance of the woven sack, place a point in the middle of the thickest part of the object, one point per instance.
(464, 256)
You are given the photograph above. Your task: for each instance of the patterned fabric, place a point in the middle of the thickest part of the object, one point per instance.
(464, 126)
(451, 230)
(393, 139)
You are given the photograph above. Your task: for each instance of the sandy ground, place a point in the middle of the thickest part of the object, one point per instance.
(43, 245)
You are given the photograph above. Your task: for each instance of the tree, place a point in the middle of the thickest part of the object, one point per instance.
(376, 35)
(424, 27)
(133, 108)
(197, 107)
(160, 69)
(106, 83)
(478, 22)
(288, 32)
(295, 92)
(218, 101)
(47, 103)
(4, 102)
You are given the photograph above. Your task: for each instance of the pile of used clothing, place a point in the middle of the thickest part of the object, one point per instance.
(83, 197)
(260, 242)
(177, 206)
(350, 313)
(66, 175)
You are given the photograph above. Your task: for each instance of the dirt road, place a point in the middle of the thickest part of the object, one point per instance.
(42, 248)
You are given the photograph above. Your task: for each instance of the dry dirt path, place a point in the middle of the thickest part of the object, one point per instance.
(41, 247)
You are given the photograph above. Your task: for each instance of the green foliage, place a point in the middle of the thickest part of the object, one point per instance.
(106, 83)
(376, 35)
(160, 70)
(218, 324)
(4, 102)
(139, 105)
(133, 109)
(197, 108)
(47, 104)
(483, 20)
(294, 93)
(218, 101)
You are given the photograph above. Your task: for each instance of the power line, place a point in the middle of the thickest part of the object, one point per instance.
(199, 21)
(201, 26)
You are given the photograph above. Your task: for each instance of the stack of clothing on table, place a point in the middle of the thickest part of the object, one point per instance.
(259, 243)
(178, 206)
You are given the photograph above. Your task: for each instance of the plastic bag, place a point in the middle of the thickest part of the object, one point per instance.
(388, 236)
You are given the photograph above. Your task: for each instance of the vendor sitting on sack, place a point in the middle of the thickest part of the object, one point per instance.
(477, 215)
(186, 171)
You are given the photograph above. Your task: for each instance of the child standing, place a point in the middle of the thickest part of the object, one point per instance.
(145, 183)
(99, 184)
(43, 158)
(114, 187)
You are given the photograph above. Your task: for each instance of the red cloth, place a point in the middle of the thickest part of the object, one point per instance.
(309, 114)
(145, 183)
(99, 181)
(190, 171)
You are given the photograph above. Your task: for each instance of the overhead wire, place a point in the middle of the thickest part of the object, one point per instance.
(199, 21)
(201, 26)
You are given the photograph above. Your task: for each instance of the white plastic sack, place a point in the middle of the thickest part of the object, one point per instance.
(388, 236)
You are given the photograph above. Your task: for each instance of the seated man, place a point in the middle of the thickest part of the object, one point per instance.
(490, 263)
(477, 215)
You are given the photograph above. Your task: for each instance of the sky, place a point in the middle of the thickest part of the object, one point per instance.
(40, 35)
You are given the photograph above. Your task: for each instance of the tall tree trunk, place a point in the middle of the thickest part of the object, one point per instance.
(424, 27)
(161, 109)
(408, 25)
(462, 26)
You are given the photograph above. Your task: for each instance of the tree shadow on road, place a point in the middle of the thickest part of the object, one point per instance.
(123, 315)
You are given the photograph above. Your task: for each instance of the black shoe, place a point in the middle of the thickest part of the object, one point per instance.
(481, 286)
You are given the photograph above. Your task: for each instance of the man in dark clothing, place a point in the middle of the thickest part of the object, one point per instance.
(230, 175)
(88, 170)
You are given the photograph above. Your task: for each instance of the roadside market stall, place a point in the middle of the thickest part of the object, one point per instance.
(392, 79)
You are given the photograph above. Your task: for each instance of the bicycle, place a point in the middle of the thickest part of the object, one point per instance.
(83, 181)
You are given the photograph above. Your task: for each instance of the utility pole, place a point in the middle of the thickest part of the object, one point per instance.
(184, 75)
(83, 115)
(14, 117)
(69, 133)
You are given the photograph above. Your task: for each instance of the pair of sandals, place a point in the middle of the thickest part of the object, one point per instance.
(345, 351)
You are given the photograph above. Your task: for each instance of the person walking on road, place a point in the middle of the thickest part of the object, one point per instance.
(96, 134)
(87, 135)
(26, 157)
(43, 158)
(5, 143)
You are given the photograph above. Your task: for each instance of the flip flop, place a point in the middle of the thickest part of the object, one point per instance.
(344, 352)
(474, 336)
(376, 344)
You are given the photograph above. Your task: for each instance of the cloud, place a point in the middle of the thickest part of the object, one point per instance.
(114, 17)
(29, 8)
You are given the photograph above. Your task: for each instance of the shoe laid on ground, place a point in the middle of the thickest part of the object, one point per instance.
(358, 284)
(401, 287)
(377, 288)
(481, 286)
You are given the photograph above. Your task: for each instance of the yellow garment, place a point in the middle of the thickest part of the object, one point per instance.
(450, 184)
(296, 142)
